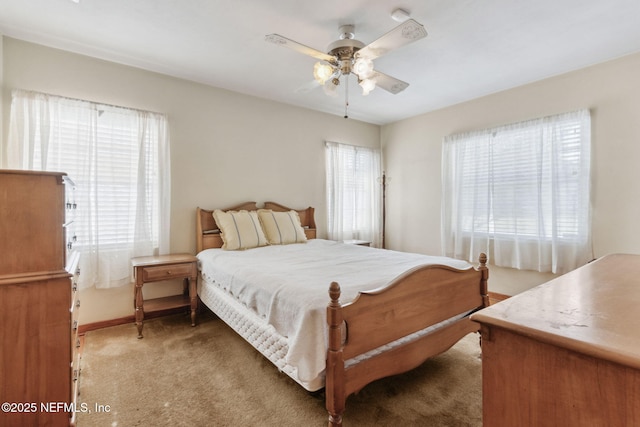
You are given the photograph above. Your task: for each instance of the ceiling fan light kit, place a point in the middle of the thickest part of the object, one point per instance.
(347, 56)
(367, 86)
(322, 72)
(331, 87)
(363, 67)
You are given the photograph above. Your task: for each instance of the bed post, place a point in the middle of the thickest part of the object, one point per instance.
(334, 385)
(484, 290)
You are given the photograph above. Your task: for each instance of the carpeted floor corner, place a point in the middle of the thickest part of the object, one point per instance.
(207, 375)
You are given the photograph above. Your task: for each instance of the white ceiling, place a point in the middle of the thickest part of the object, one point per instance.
(474, 47)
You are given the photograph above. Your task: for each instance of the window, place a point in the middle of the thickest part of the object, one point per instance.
(118, 159)
(354, 208)
(521, 193)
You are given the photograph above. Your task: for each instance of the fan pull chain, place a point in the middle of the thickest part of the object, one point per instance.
(346, 96)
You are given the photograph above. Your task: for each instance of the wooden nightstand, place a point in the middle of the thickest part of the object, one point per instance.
(164, 267)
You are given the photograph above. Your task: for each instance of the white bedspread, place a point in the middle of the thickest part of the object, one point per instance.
(287, 285)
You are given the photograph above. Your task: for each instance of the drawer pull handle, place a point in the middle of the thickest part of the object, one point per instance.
(168, 272)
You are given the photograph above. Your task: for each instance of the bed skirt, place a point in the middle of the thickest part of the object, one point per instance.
(261, 335)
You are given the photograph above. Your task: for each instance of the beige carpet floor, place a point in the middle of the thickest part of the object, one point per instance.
(207, 375)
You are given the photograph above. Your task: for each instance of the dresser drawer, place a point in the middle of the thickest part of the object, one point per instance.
(75, 336)
(164, 272)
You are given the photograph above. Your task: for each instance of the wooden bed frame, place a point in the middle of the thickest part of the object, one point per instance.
(421, 297)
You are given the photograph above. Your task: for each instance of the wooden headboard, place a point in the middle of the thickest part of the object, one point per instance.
(208, 235)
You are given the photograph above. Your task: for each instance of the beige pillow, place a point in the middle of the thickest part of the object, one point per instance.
(239, 229)
(281, 228)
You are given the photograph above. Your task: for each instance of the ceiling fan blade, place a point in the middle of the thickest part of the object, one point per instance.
(283, 41)
(388, 83)
(308, 87)
(405, 33)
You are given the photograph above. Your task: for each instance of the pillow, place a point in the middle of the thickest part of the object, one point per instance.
(239, 229)
(281, 228)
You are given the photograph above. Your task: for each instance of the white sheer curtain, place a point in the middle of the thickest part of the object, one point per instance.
(520, 193)
(119, 161)
(354, 204)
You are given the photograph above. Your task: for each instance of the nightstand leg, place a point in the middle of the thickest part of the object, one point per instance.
(139, 309)
(193, 297)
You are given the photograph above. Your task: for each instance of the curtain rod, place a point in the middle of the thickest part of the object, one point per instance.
(327, 142)
(86, 100)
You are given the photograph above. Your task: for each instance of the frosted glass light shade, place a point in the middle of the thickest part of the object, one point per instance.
(367, 86)
(322, 72)
(363, 67)
(331, 87)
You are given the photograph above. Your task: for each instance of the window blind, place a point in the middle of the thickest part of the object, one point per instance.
(521, 191)
(118, 159)
(353, 193)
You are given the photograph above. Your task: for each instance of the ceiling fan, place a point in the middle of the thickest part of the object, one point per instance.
(350, 56)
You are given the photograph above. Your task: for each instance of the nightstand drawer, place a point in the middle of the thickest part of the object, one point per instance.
(165, 272)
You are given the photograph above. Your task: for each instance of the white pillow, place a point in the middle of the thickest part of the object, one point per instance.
(239, 229)
(281, 228)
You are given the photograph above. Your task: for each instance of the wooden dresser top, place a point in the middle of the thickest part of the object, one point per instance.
(594, 310)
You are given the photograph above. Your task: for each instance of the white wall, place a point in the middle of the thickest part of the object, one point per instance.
(228, 148)
(225, 147)
(412, 151)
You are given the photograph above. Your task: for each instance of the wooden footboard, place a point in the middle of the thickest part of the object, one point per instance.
(422, 297)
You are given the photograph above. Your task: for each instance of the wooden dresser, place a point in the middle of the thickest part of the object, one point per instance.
(566, 353)
(38, 300)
